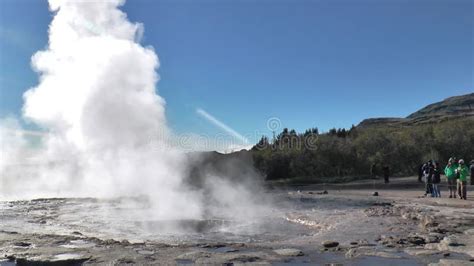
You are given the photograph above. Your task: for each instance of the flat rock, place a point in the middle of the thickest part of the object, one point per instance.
(145, 252)
(420, 252)
(290, 252)
(366, 251)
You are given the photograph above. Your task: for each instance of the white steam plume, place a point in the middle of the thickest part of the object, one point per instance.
(104, 131)
(97, 103)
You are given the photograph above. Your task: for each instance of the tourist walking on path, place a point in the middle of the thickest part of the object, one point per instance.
(462, 172)
(450, 173)
(436, 180)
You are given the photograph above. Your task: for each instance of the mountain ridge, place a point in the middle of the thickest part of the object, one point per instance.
(454, 107)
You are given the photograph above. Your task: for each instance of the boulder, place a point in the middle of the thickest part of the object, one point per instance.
(330, 244)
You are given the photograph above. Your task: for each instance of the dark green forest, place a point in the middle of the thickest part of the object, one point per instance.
(321, 157)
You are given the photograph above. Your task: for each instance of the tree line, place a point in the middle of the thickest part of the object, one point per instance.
(316, 156)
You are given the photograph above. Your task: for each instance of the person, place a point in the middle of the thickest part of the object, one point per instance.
(450, 173)
(373, 170)
(436, 180)
(420, 172)
(462, 172)
(428, 176)
(386, 173)
(472, 172)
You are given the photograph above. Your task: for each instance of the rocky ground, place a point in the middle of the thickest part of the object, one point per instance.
(346, 225)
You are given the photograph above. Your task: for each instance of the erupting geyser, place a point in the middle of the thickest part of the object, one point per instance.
(105, 131)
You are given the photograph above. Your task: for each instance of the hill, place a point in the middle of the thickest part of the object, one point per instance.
(451, 108)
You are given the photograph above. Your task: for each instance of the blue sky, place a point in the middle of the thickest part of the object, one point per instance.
(310, 63)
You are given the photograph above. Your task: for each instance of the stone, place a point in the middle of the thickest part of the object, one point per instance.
(375, 194)
(366, 251)
(416, 240)
(145, 252)
(22, 244)
(420, 252)
(330, 244)
(289, 252)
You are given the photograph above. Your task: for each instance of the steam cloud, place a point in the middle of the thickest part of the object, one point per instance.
(97, 105)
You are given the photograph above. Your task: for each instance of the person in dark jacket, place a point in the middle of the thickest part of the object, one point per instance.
(472, 172)
(420, 173)
(373, 171)
(386, 173)
(436, 180)
(428, 176)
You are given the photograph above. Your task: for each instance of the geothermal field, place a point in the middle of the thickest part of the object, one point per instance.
(303, 226)
(92, 173)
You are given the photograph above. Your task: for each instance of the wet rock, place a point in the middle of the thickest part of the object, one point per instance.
(416, 240)
(212, 245)
(126, 261)
(330, 244)
(145, 252)
(366, 251)
(420, 252)
(22, 244)
(9, 232)
(225, 250)
(289, 252)
(60, 259)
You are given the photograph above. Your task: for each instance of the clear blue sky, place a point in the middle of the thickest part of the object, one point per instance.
(308, 62)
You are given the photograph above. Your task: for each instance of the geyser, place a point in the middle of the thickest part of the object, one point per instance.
(97, 105)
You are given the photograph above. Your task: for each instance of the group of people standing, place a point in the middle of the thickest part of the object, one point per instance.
(456, 173)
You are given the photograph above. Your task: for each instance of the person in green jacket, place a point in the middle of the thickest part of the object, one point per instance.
(463, 172)
(450, 173)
